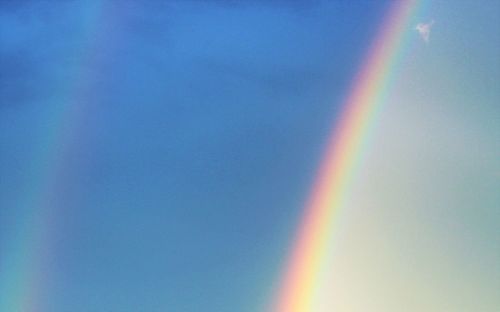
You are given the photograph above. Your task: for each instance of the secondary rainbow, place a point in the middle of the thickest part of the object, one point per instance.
(301, 279)
(25, 269)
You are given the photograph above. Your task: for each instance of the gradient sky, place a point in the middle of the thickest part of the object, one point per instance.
(156, 156)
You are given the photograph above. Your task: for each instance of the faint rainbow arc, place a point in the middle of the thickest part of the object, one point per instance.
(300, 281)
(24, 268)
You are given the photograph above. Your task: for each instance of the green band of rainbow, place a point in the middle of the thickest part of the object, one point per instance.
(302, 274)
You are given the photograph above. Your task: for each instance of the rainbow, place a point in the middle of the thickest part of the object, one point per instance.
(25, 269)
(301, 279)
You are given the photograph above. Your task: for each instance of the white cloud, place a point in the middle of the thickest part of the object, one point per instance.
(424, 29)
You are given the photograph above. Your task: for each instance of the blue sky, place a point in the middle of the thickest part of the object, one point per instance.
(177, 141)
(203, 127)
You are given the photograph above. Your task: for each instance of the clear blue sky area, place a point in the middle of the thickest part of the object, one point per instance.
(197, 130)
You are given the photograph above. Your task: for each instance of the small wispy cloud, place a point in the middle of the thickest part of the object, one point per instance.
(424, 29)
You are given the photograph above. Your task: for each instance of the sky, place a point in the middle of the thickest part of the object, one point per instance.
(157, 156)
